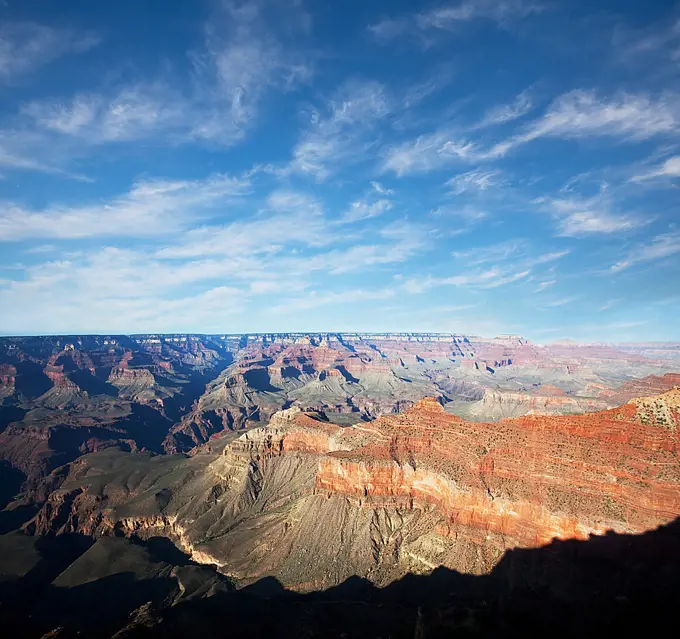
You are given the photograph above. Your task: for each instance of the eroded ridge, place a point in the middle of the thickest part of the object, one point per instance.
(313, 503)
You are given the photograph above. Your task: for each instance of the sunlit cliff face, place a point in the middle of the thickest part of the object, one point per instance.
(474, 514)
(527, 480)
(404, 493)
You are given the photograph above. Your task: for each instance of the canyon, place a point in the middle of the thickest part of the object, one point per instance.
(312, 503)
(294, 472)
(64, 396)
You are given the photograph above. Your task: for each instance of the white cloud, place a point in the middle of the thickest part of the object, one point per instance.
(339, 134)
(515, 265)
(582, 114)
(587, 222)
(476, 180)
(586, 216)
(12, 157)
(506, 112)
(659, 247)
(669, 169)
(362, 210)
(380, 189)
(388, 28)
(24, 47)
(449, 17)
(69, 119)
(399, 241)
(239, 65)
(280, 249)
(544, 285)
(429, 153)
(545, 258)
(609, 304)
(507, 279)
(466, 216)
(133, 113)
(492, 253)
(515, 251)
(114, 290)
(663, 39)
(574, 115)
(490, 278)
(150, 208)
(562, 301)
(473, 278)
(215, 101)
(314, 299)
(290, 218)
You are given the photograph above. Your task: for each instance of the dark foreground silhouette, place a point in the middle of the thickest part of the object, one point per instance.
(609, 586)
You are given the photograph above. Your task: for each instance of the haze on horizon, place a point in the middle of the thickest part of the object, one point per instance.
(482, 167)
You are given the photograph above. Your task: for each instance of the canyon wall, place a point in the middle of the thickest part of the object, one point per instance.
(313, 503)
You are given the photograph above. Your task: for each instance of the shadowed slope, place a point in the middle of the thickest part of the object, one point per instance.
(610, 586)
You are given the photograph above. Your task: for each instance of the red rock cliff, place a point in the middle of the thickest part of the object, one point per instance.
(521, 481)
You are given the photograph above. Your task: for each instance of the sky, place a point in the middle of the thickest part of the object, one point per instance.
(206, 166)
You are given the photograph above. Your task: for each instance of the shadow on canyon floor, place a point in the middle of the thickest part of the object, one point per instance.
(608, 586)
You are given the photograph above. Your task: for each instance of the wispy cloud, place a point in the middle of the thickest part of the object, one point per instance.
(237, 67)
(18, 152)
(582, 114)
(477, 180)
(337, 134)
(506, 279)
(451, 16)
(395, 243)
(516, 255)
(574, 115)
(589, 222)
(429, 153)
(113, 290)
(545, 285)
(215, 100)
(513, 265)
(380, 189)
(609, 304)
(493, 253)
(288, 219)
(314, 299)
(659, 247)
(669, 169)
(133, 113)
(578, 216)
(150, 208)
(490, 278)
(506, 112)
(657, 39)
(24, 47)
(281, 249)
(466, 214)
(561, 301)
(363, 210)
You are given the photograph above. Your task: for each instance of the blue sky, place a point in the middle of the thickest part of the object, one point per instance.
(479, 166)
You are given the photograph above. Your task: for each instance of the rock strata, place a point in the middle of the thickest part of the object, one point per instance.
(313, 503)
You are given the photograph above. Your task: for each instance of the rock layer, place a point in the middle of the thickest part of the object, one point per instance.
(313, 503)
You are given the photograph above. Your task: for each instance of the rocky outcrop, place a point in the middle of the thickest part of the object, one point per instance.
(313, 503)
(183, 390)
(508, 484)
(7, 379)
(546, 401)
(646, 386)
(662, 410)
